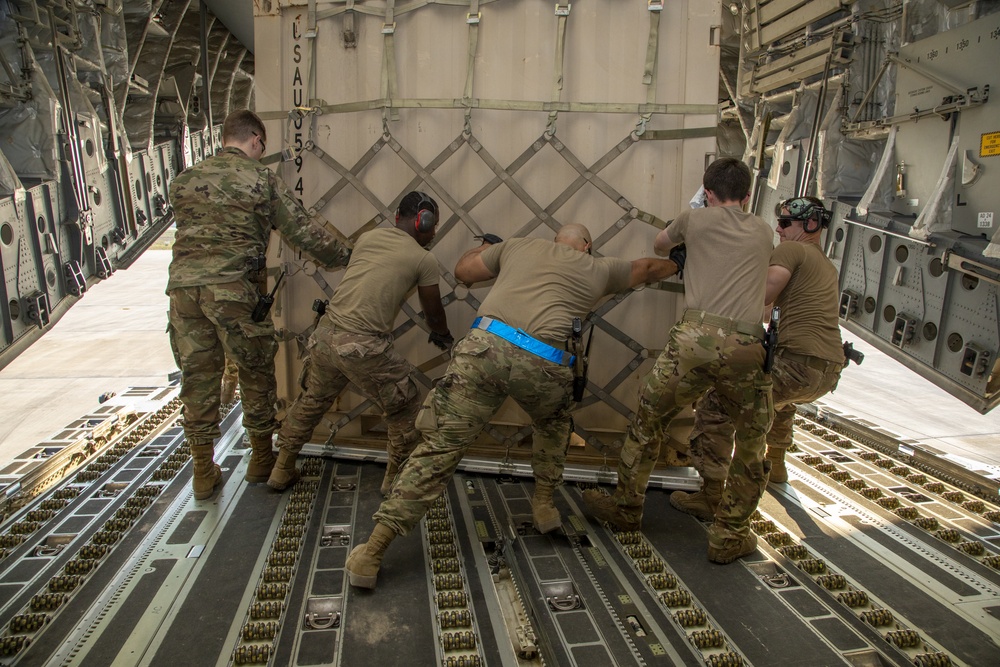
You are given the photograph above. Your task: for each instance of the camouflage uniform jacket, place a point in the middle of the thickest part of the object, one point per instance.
(225, 207)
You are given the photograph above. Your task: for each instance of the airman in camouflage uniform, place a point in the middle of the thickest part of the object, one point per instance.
(808, 361)
(514, 349)
(353, 341)
(717, 344)
(225, 208)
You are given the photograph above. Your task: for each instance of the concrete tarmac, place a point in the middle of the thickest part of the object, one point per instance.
(114, 338)
(882, 392)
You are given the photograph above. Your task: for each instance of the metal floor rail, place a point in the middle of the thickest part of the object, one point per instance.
(861, 560)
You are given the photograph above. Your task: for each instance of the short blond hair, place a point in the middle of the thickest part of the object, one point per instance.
(241, 126)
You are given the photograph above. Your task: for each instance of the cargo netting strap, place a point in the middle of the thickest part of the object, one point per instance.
(310, 35)
(649, 68)
(472, 18)
(562, 16)
(350, 176)
(436, 187)
(397, 103)
(389, 86)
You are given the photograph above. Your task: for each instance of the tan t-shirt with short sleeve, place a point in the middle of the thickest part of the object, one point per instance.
(541, 285)
(385, 265)
(727, 254)
(810, 302)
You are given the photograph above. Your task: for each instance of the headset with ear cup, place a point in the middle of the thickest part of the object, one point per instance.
(809, 210)
(426, 218)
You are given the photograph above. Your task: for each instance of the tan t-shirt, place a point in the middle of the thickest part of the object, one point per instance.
(810, 302)
(541, 285)
(727, 252)
(385, 266)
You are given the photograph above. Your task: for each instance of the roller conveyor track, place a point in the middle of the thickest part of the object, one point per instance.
(861, 560)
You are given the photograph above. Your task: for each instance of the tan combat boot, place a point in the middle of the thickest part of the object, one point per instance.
(207, 475)
(724, 547)
(779, 474)
(365, 559)
(284, 473)
(543, 511)
(603, 507)
(261, 459)
(701, 504)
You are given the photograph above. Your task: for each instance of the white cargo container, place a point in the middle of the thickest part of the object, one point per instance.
(517, 116)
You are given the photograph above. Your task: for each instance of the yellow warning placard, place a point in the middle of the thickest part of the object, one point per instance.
(989, 144)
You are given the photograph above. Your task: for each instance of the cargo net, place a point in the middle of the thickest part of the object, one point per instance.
(462, 213)
(611, 397)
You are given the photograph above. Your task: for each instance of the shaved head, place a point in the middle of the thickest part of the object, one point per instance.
(574, 235)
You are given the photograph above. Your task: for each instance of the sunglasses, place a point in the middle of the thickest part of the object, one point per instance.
(263, 144)
(785, 221)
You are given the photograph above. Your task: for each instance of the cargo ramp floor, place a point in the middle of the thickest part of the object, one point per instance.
(863, 558)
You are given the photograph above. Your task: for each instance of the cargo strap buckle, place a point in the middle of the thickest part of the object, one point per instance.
(324, 621)
(335, 535)
(48, 550)
(561, 596)
(324, 613)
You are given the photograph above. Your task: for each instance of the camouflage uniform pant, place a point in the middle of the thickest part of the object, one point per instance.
(338, 357)
(230, 378)
(207, 325)
(484, 370)
(794, 383)
(699, 357)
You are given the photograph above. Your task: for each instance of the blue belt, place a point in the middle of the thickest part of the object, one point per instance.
(524, 341)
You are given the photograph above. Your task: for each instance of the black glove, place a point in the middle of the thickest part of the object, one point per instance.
(678, 255)
(492, 239)
(442, 340)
